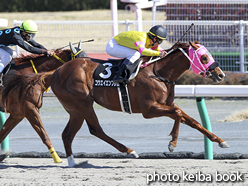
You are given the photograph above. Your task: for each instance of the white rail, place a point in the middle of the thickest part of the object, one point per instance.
(211, 90)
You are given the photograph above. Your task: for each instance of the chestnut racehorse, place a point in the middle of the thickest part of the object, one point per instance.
(151, 93)
(26, 101)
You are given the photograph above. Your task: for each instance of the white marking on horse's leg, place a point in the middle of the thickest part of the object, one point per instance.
(171, 147)
(133, 154)
(71, 162)
(224, 145)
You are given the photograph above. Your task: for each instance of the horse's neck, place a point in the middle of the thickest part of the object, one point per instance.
(41, 64)
(174, 65)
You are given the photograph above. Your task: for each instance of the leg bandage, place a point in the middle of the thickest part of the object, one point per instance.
(54, 155)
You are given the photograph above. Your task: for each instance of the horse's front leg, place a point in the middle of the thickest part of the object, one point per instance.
(9, 124)
(157, 110)
(96, 130)
(194, 124)
(33, 117)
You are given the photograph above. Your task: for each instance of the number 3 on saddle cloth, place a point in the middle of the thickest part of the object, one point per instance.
(106, 70)
(103, 77)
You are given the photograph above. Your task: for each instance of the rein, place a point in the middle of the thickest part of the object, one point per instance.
(58, 58)
(75, 55)
(157, 75)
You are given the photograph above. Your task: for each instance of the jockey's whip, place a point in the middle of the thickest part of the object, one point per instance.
(77, 43)
(182, 36)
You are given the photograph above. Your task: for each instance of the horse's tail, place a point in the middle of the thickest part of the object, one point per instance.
(24, 85)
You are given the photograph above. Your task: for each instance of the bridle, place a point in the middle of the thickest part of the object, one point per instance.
(195, 63)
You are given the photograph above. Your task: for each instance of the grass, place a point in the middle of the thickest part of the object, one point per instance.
(84, 15)
(51, 38)
(238, 116)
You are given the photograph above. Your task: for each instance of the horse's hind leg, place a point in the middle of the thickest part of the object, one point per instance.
(33, 117)
(9, 124)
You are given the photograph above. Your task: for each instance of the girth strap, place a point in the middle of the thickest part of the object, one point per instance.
(164, 80)
(32, 63)
(124, 98)
(157, 75)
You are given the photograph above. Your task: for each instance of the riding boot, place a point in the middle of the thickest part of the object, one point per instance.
(120, 75)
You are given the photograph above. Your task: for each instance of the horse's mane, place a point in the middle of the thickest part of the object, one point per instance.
(21, 85)
(182, 45)
(179, 45)
(22, 57)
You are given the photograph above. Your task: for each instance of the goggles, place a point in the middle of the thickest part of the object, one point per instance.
(159, 41)
(31, 35)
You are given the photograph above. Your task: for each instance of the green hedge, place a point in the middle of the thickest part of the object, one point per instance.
(54, 5)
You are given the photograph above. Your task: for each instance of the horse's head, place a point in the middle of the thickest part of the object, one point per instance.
(77, 51)
(203, 63)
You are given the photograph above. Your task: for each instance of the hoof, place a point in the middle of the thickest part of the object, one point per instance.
(2, 157)
(71, 162)
(224, 145)
(133, 154)
(171, 148)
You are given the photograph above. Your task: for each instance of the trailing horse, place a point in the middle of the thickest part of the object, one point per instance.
(22, 92)
(22, 97)
(151, 93)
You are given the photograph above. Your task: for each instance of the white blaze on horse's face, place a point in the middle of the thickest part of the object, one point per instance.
(203, 63)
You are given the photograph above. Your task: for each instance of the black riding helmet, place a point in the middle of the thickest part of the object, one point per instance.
(159, 32)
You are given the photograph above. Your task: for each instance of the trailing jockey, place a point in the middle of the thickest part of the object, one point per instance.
(19, 36)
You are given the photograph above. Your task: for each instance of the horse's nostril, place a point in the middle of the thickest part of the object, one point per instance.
(221, 76)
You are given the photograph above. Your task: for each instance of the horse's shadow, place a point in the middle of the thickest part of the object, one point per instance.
(83, 164)
(6, 166)
(87, 165)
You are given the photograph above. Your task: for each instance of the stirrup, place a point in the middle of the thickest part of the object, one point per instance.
(121, 80)
(118, 79)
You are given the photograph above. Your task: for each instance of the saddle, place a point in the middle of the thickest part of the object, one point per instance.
(105, 71)
(103, 77)
(8, 69)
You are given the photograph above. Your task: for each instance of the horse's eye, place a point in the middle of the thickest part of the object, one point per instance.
(204, 59)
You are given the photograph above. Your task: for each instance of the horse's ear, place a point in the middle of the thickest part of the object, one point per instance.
(195, 47)
(79, 45)
(74, 51)
(196, 42)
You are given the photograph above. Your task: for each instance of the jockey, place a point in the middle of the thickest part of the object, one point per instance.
(17, 36)
(132, 44)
